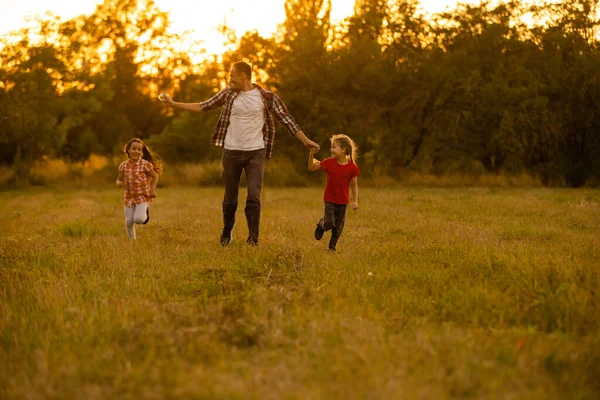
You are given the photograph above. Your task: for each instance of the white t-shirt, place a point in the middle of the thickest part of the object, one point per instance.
(246, 122)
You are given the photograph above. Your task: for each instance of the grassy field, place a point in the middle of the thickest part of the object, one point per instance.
(434, 294)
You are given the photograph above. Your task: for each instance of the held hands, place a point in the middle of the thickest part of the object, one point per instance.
(119, 183)
(313, 150)
(312, 145)
(152, 193)
(306, 141)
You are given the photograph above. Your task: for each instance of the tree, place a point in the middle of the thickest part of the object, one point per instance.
(299, 73)
(130, 56)
(571, 67)
(29, 102)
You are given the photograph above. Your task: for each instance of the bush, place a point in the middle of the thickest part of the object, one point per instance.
(281, 171)
(47, 171)
(192, 174)
(7, 177)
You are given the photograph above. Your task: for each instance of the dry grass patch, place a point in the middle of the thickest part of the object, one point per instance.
(435, 293)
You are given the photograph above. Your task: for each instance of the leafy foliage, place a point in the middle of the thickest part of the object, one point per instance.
(470, 89)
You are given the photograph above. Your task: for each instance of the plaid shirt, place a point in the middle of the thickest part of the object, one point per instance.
(274, 108)
(137, 182)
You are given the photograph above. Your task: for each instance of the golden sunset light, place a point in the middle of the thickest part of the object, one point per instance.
(199, 18)
(313, 199)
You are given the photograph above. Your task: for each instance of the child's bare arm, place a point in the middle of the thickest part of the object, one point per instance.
(120, 179)
(313, 164)
(153, 182)
(354, 190)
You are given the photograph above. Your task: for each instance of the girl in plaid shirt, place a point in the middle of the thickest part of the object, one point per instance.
(139, 175)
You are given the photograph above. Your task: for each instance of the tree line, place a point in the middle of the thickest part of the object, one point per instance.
(496, 87)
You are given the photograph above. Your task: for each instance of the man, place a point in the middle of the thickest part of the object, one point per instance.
(246, 130)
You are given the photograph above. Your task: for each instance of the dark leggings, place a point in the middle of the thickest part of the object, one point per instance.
(335, 216)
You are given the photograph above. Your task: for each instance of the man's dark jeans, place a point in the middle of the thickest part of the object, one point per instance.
(253, 163)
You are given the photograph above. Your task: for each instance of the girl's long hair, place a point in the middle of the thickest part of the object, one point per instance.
(147, 155)
(347, 145)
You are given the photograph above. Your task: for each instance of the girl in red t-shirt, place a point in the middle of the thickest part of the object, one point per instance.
(139, 176)
(342, 174)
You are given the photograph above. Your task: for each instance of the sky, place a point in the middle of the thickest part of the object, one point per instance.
(200, 17)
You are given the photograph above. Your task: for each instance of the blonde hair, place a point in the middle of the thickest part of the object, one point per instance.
(347, 144)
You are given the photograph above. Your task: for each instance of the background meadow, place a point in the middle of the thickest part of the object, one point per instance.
(434, 293)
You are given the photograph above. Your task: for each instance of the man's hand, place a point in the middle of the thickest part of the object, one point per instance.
(355, 205)
(165, 98)
(312, 145)
(119, 183)
(306, 141)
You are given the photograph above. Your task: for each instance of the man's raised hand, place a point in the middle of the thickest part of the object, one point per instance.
(165, 98)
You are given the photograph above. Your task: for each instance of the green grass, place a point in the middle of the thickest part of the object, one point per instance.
(434, 294)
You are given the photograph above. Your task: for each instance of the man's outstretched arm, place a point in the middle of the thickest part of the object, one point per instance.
(165, 98)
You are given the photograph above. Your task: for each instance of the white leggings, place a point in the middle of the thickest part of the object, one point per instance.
(134, 215)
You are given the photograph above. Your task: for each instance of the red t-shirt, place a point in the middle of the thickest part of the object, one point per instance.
(337, 190)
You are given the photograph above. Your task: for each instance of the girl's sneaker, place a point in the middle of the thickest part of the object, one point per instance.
(319, 231)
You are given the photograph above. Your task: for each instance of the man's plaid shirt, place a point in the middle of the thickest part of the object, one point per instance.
(274, 108)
